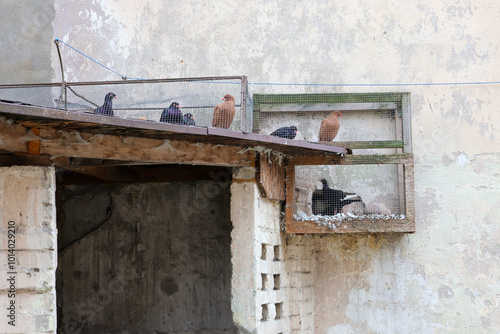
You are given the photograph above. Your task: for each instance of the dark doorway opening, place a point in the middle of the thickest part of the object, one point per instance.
(144, 249)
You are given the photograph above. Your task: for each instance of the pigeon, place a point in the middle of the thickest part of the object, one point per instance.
(288, 132)
(188, 119)
(329, 202)
(377, 209)
(224, 113)
(355, 208)
(330, 127)
(172, 114)
(107, 107)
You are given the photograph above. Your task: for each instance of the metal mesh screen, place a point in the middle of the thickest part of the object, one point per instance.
(146, 99)
(363, 122)
(331, 194)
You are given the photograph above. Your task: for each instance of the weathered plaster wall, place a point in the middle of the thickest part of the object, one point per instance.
(28, 259)
(159, 261)
(446, 273)
(27, 41)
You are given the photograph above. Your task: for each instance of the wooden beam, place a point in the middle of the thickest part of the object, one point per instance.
(354, 226)
(13, 137)
(371, 144)
(326, 108)
(24, 160)
(106, 173)
(352, 159)
(325, 98)
(290, 193)
(270, 175)
(34, 145)
(409, 189)
(142, 174)
(101, 146)
(84, 162)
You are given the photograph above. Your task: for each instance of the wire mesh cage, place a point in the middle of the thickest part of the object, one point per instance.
(360, 121)
(364, 193)
(221, 102)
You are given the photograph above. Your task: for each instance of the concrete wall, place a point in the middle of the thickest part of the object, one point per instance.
(28, 259)
(443, 278)
(27, 42)
(159, 261)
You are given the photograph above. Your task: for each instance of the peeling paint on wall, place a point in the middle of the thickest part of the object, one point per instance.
(444, 277)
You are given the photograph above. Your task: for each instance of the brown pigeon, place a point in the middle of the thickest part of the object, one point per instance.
(330, 127)
(224, 113)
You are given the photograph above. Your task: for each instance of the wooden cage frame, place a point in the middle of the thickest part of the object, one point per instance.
(406, 189)
(397, 102)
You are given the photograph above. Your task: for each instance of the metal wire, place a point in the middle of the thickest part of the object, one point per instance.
(146, 99)
(366, 122)
(349, 192)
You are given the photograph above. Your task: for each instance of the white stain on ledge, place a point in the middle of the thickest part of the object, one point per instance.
(333, 222)
(462, 159)
(341, 329)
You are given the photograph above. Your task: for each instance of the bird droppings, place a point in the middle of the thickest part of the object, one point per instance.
(462, 159)
(334, 221)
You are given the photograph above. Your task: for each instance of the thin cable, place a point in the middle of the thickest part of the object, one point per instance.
(82, 97)
(95, 61)
(378, 85)
(305, 84)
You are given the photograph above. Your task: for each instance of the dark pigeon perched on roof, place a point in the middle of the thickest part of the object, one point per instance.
(189, 119)
(172, 114)
(107, 107)
(288, 132)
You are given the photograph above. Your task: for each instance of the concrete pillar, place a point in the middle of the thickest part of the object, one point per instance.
(259, 282)
(244, 194)
(28, 252)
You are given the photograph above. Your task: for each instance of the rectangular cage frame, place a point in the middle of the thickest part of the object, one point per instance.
(55, 96)
(396, 102)
(406, 188)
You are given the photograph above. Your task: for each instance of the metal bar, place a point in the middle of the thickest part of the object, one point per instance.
(54, 84)
(371, 144)
(126, 82)
(82, 97)
(365, 159)
(139, 108)
(63, 85)
(243, 105)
